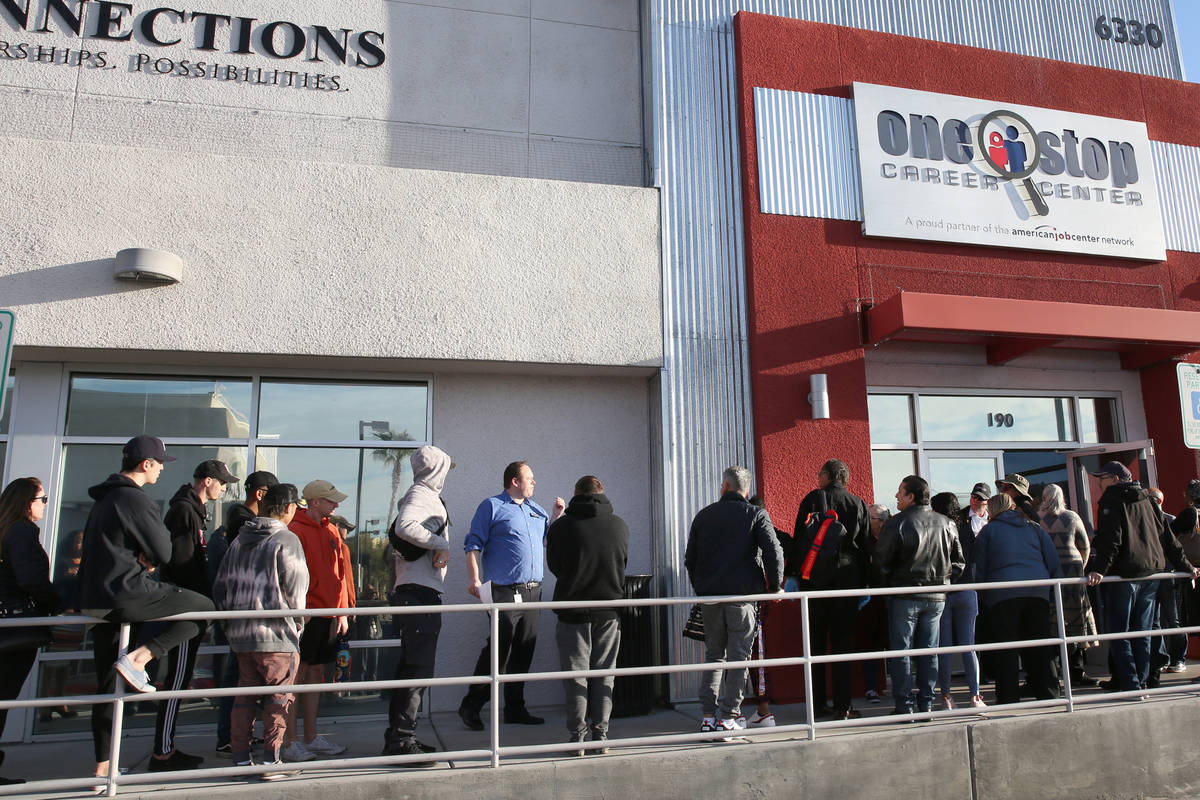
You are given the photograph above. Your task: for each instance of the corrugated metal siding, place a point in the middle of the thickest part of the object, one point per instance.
(1058, 29)
(1178, 169)
(706, 408)
(807, 155)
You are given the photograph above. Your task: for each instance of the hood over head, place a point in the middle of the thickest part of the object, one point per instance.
(430, 465)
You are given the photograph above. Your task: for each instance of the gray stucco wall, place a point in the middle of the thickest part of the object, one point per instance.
(311, 258)
(534, 88)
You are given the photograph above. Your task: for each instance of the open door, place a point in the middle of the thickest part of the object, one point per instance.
(1138, 457)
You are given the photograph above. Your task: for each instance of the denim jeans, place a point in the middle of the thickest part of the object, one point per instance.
(1129, 606)
(1172, 648)
(958, 628)
(913, 623)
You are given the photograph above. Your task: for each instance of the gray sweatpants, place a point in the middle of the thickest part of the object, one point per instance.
(728, 636)
(588, 645)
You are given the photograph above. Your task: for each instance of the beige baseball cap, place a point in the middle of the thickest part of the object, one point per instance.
(322, 490)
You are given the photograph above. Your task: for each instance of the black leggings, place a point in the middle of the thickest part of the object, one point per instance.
(14, 669)
(107, 636)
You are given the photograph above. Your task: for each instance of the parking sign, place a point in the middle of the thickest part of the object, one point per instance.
(6, 343)
(1189, 399)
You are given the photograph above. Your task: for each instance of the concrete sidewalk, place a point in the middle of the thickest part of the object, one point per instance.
(523, 776)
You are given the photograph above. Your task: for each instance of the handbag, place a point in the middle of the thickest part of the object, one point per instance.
(694, 627)
(18, 638)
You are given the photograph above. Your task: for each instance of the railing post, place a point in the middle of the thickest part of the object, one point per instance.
(494, 617)
(806, 651)
(114, 753)
(1062, 647)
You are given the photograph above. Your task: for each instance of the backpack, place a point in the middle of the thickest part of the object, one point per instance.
(406, 549)
(818, 550)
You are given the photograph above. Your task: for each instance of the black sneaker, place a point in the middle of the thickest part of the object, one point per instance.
(425, 748)
(225, 750)
(176, 761)
(470, 718)
(408, 747)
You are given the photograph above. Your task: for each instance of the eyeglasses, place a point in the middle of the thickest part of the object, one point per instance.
(44, 498)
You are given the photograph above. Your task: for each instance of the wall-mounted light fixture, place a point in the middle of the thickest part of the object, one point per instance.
(818, 395)
(147, 265)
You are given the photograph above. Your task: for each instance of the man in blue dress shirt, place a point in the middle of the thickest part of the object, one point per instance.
(508, 533)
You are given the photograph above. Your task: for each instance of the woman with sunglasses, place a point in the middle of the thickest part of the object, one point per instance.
(25, 587)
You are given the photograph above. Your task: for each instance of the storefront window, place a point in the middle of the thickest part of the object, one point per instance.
(163, 407)
(86, 465)
(299, 411)
(888, 468)
(957, 418)
(956, 440)
(891, 418)
(356, 435)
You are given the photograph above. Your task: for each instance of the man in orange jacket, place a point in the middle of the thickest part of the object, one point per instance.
(330, 585)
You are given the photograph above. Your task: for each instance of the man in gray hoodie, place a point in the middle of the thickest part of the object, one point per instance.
(420, 538)
(264, 570)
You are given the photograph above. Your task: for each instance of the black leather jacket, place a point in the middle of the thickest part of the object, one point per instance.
(918, 547)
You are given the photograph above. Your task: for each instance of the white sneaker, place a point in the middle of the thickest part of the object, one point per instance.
(296, 751)
(322, 746)
(738, 723)
(730, 726)
(761, 721)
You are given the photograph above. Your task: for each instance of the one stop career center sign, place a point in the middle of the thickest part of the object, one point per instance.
(959, 169)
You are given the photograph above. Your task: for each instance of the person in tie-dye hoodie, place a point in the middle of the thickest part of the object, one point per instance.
(264, 570)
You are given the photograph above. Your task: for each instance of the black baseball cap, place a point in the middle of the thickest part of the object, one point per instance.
(257, 480)
(1114, 469)
(281, 494)
(142, 447)
(214, 469)
(982, 491)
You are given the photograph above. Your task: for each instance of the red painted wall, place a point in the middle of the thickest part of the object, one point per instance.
(807, 277)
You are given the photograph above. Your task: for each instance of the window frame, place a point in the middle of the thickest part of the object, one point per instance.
(923, 447)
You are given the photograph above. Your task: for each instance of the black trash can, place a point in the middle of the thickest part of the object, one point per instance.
(633, 695)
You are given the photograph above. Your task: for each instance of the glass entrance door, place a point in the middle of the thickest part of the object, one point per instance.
(1085, 493)
(959, 470)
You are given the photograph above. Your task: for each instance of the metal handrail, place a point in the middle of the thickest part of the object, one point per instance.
(496, 679)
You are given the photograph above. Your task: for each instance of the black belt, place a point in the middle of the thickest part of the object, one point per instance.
(528, 585)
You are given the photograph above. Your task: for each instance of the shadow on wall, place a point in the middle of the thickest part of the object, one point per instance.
(65, 282)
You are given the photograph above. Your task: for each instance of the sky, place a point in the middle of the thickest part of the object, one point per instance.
(1187, 17)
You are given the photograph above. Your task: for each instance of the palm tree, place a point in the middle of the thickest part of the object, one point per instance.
(395, 457)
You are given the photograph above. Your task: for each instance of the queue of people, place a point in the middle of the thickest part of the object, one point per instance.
(841, 543)
(281, 550)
